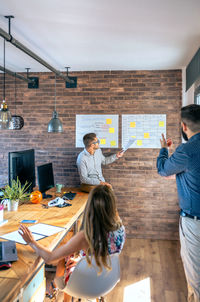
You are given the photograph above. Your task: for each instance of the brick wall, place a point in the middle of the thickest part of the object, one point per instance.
(147, 203)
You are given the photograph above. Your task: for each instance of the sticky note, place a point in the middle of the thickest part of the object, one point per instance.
(102, 141)
(133, 136)
(161, 124)
(146, 135)
(113, 143)
(139, 142)
(132, 124)
(111, 130)
(108, 121)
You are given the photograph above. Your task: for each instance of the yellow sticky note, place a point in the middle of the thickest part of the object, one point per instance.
(139, 142)
(132, 124)
(108, 121)
(133, 136)
(146, 135)
(102, 141)
(161, 124)
(111, 130)
(113, 143)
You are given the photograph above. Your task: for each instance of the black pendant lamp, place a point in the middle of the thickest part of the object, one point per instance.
(55, 124)
(17, 121)
(5, 115)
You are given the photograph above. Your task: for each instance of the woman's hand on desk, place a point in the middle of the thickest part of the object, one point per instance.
(26, 234)
(75, 244)
(39, 249)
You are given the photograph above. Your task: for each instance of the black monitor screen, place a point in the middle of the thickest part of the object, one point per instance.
(21, 164)
(45, 178)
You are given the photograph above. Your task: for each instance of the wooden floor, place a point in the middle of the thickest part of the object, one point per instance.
(151, 271)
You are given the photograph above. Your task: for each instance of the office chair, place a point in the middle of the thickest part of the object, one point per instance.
(84, 282)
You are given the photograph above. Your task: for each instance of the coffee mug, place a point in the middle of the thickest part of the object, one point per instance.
(59, 188)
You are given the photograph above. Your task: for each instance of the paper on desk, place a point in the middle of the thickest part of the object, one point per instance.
(15, 236)
(128, 144)
(45, 229)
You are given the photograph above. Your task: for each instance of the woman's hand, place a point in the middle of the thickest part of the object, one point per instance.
(26, 234)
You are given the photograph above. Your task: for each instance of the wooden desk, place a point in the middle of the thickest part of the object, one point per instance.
(15, 279)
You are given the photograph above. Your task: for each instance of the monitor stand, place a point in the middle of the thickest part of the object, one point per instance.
(44, 195)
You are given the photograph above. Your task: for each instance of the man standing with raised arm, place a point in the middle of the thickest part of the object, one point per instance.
(185, 163)
(89, 163)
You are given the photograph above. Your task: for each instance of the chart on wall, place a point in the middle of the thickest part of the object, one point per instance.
(105, 127)
(144, 129)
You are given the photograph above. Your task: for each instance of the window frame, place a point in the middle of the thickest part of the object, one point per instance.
(197, 95)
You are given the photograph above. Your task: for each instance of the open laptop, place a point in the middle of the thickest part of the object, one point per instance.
(8, 251)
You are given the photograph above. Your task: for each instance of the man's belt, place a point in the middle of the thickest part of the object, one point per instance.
(183, 214)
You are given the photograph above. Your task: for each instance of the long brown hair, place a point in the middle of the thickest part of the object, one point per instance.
(100, 217)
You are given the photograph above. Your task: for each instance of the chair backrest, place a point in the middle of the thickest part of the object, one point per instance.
(85, 282)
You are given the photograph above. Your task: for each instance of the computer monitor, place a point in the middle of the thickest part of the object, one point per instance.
(21, 164)
(45, 179)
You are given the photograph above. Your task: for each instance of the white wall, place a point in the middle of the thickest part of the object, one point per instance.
(187, 97)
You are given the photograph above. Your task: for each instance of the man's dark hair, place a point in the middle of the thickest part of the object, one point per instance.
(88, 139)
(190, 115)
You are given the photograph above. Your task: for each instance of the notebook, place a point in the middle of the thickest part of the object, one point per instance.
(8, 251)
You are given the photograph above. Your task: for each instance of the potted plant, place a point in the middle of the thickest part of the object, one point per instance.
(15, 193)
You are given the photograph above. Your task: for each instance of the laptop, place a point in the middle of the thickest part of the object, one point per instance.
(8, 251)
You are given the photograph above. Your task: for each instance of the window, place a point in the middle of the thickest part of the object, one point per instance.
(197, 96)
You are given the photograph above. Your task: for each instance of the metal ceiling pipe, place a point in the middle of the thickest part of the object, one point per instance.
(15, 74)
(16, 43)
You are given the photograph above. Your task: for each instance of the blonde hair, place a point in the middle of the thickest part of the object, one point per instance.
(100, 217)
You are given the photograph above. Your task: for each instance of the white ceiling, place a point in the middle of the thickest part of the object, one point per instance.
(102, 34)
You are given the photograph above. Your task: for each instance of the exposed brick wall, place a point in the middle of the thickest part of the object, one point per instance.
(147, 203)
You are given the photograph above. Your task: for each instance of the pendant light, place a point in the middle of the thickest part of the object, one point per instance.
(5, 115)
(17, 121)
(55, 124)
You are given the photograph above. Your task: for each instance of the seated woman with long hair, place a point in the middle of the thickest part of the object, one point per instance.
(100, 234)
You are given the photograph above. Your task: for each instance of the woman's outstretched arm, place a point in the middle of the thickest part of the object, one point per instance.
(75, 244)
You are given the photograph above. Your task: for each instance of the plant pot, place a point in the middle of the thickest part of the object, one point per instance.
(12, 205)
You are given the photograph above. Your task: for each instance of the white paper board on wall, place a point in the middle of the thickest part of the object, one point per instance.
(145, 128)
(105, 127)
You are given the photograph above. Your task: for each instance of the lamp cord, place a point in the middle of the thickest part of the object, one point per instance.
(55, 93)
(4, 76)
(15, 93)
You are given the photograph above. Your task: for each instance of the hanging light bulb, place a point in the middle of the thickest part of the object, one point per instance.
(55, 124)
(17, 121)
(5, 115)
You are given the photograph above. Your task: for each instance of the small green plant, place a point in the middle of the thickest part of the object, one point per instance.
(16, 192)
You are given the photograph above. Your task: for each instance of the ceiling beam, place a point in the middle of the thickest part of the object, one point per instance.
(23, 48)
(14, 74)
